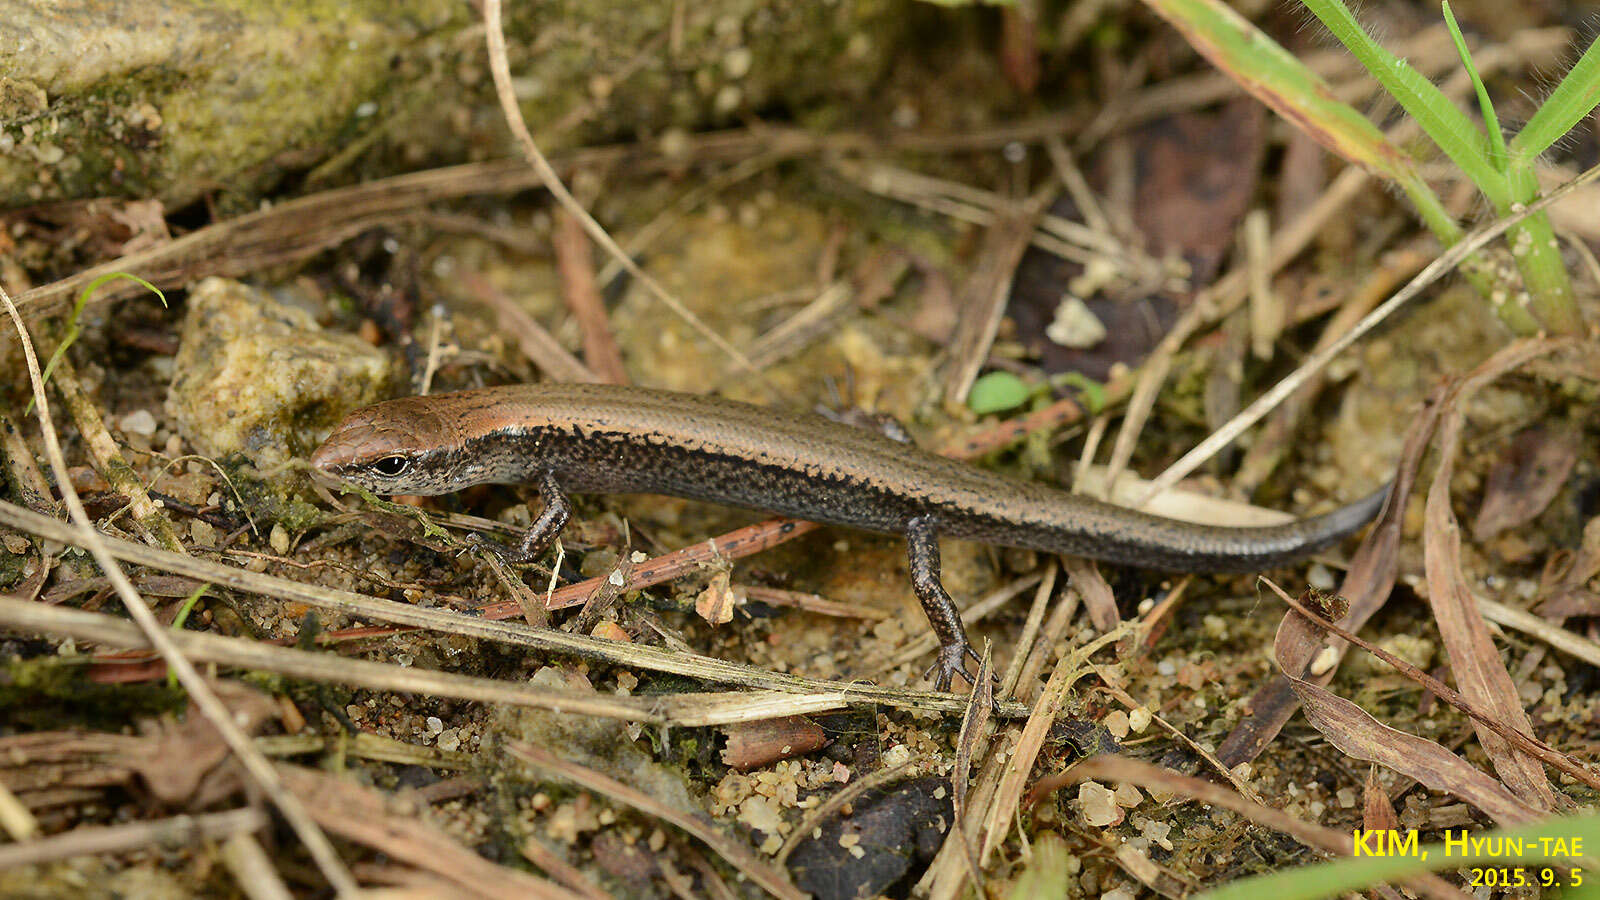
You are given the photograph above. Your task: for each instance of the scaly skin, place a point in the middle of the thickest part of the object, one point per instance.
(606, 439)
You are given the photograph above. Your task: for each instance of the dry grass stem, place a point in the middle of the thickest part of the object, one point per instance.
(1264, 404)
(501, 70)
(667, 709)
(90, 840)
(985, 291)
(82, 531)
(575, 264)
(536, 343)
(252, 869)
(1575, 645)
(513, 633)
(150, 522)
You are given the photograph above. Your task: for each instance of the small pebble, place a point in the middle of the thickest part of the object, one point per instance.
(1098, 805)
(279, 539)
(1139, 719)
(1319, 577)
(139, 422)
(435, 725)
(1116, 722)
(202, 533)
(1325, 661)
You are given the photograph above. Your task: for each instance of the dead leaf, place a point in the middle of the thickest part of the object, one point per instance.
(1480, 673)
(1521, 484)
(1096, 593)
(715, 604)
(1377, 813)
(181, 758)
(1196, 175)
(1367, 587)
(1357, 734)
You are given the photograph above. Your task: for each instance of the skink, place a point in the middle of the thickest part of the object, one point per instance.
(607, 439)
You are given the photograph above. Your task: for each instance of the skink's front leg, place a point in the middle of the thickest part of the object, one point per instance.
(954, 648)
(542, 533)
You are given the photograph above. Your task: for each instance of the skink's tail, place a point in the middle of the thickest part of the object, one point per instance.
(1252, 549)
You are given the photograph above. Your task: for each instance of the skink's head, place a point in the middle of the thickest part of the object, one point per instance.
(404, 446)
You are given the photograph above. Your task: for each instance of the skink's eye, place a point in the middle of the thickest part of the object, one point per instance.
(390, 466)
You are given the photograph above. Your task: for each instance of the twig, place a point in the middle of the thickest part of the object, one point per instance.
(15, 818)
(811, 603)
(360, 814)
(735, 544)
(1217, 301)
(537, 344)
(246, 244)
(1526, 743)
(501, 69)
(1004, 804)
(90, 840)
(110, 462)
(575, 263)
(984, 294)
(667, 709)
(252, 869)
(1534, 626)
(1447, 261)
(514, 633)
(556, 866)
(82, 531)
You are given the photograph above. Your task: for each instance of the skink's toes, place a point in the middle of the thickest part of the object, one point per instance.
(952, 661)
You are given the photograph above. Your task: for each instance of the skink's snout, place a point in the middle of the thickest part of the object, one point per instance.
(349, 445)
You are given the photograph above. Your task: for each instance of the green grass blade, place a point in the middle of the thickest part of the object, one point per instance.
(182, 618)
(1275, 77)
(73, 329)
(1572, 99)
(1491, 122)
(1458, 136)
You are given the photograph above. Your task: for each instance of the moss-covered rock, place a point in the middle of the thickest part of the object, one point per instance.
(179, 98)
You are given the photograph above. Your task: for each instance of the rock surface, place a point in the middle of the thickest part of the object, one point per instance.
(257, 377)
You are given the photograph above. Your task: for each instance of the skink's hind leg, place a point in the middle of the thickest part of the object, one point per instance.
(544, 531)
(954, 648)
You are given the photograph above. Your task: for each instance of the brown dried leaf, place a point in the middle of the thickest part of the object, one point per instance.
(1196, 175)
(1367, 586)
(365, 816)
(1096, 593)
(1377, 813)
(1564, 582)
(1480, 673)
(1349, 727)
(1522, 484)
(179, 759)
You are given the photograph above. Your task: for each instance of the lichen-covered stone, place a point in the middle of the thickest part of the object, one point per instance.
(175, 99)
(256, 377)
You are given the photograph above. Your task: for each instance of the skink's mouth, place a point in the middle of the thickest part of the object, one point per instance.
(342, 451)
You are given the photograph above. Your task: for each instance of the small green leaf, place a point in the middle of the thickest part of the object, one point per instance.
(1092, 394)
(997, 392)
